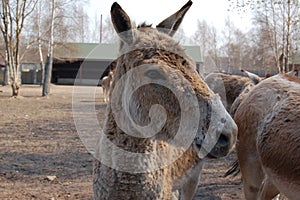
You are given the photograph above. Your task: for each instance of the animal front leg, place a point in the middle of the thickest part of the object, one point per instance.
(252, 175)
(190, 186)
(189, 189)
(267, 190)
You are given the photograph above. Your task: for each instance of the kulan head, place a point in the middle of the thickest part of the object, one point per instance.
(158, 94)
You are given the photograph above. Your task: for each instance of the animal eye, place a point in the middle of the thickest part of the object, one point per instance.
(155, 74)
(199, 140)
(223, 120)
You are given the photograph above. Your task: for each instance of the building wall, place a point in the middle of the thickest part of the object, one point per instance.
(31, 77)
(2, 74)
(31, 73)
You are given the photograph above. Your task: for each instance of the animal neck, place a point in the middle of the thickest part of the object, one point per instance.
(125, 140)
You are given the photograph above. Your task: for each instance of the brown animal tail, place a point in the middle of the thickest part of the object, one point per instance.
(234, 169)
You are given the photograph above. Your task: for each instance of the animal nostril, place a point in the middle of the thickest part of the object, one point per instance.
(223, 140)
(223, 120)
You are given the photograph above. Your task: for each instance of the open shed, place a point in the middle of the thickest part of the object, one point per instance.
(84, 63)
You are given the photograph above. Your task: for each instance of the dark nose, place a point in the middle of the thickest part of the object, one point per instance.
(223, 141)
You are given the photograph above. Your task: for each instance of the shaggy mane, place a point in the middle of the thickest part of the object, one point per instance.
(144, 25)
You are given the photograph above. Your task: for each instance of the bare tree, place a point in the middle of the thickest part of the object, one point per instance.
(95, 30)
(75, 24)
(282, 18)
(228, 43)
(81, 24)
(264, 38)
(108, 33)
(202, 36)
(70, 24)
(214, 51)
(241, 53)
(206, 37)
(39, 39)
(181, 37)
(13, 15)
(49, 60)
(34, 35)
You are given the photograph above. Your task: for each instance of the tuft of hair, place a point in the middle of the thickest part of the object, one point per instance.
(233, 170)
(268, 75)
(144, 25)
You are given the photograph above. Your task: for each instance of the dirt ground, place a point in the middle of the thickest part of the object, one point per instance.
(42, 156)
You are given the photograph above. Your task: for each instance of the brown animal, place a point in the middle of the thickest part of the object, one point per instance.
(162, 120)
(247, 88)
(106, 80)
(106, 83)
(232, 89)
(268, 138)
(294, 73)
(229, 86)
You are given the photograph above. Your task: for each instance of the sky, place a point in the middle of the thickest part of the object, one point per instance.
(154, 11)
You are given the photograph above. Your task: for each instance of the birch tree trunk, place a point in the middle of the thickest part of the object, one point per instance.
(39, 41)
(49, 59)
(288, 36)
(13, 14)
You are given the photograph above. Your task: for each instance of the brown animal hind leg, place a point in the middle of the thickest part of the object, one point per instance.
(267, 191)
(252, 176)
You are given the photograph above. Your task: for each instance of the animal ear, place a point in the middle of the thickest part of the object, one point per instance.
(172, 23)
(253, 77)
(121, 23)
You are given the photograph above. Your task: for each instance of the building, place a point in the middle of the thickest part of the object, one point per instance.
(31, 73)
(2, 71)
(295, 61)
(84, 63)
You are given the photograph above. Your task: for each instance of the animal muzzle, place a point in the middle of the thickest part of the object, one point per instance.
(226, 140)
